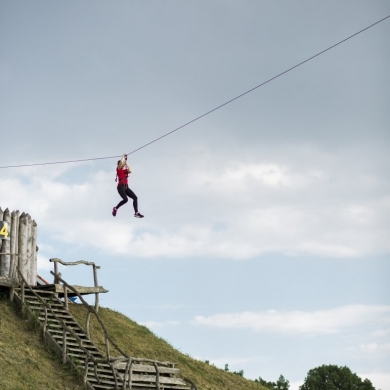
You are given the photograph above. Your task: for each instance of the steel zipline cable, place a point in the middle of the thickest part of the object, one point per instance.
(208, 112)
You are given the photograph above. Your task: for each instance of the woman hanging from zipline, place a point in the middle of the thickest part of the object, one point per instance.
(122, 173)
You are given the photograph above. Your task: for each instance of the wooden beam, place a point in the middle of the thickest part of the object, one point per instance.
(82, 290)
(145, 368)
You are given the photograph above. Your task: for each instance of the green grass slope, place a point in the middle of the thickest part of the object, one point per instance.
(27, 364)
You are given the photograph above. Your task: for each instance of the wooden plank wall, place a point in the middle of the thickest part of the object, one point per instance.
(21, 248)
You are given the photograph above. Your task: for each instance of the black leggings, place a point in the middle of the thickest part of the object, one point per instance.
(124, 192)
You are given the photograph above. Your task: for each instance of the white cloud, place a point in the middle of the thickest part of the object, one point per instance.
(380, 333)
(374, 349)
(295, 385)
(240, 210)
(380, 380)
(43, 263)
(239, 176)
(298, 322)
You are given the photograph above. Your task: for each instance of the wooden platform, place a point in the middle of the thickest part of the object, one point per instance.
(59, 289)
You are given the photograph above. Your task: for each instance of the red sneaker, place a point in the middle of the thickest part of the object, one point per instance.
(114, 210)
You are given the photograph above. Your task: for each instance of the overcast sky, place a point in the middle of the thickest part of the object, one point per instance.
(265, 243)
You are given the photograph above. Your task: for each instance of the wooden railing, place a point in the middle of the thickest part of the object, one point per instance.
(57, 275)
(121, 366)
(114, 362)
(65, 328)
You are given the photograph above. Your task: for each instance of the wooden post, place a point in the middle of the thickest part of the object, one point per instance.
(14, 244)
(64, 346)
(33, 260)
(157, 376)
(66, 297)
(95, 279)
(45, 323)
(22, 233)
(12, 294)
(22, 244)
(87, 323)
(85, 377)
(22, 294)
(5, 260)
(107, 348)
(27, 269)
(56, 281)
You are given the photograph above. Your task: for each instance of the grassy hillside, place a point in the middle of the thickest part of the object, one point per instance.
(25, 363)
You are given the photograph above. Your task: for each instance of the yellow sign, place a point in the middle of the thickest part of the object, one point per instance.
(4, 230)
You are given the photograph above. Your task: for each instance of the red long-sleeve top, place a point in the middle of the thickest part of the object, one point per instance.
(123, 175)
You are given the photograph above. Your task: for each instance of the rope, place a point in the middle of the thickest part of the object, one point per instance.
(208, 112)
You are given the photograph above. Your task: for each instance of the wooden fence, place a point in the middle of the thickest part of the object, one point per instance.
(18, 246)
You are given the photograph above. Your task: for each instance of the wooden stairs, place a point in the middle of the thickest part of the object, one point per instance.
(72, 342)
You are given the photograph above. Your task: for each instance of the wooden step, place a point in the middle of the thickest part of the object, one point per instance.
(78, 349)
(68, 321)
(146, 368)
(38, 303)
(152, 379)
(56, 331)
(102, 386)
(143, 376)
(148, 380)
(139, 384)
(71, 341)
(57, 325)
(37, 290)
